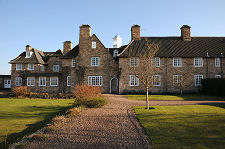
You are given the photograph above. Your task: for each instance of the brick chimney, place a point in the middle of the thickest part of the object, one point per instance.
(186, 33)
(135, 32)
(85, 32)
(67, 46)
(28, 48)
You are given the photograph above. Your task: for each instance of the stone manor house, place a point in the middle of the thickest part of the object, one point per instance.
(90, 62)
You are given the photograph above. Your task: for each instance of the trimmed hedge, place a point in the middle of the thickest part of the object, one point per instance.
(213, 86)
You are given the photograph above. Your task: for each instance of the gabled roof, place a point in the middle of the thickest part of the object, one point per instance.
(176, 47)
(38, 57)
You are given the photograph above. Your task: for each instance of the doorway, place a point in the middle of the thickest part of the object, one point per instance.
(114, 86)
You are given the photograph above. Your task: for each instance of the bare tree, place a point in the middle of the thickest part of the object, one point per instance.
(145, 69)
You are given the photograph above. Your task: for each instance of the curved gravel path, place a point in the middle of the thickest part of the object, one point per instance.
(112, 126)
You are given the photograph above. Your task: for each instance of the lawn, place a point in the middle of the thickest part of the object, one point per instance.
(189, 126)
(19, 117)
(175, 97)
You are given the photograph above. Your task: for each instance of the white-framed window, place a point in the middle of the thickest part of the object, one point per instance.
(42, 81)
(177, 62)
(198, 62)
(134, 61)
(156, 62)
(217, 76)
(156, 80)
(134, 80)
(30, 81)
(73, 62)
(115, 53)
(93, 44)
(30, 67)
(18, 66)
(177, 79)
(56, 68)
(95, 80)
(198, 79)
(54, 81)
(68, 81)
(42, 67)
(217, 62)
(18, 81)
(28, 54)
(95, 61)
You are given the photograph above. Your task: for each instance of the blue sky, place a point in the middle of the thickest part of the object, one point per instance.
(45, 24)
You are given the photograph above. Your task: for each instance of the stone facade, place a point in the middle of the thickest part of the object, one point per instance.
(90, 62)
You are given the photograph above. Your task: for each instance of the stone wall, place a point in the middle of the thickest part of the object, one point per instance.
(166, 70)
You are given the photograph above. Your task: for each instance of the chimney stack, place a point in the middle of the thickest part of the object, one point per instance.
(186, 33)
(67, 46)
(85, 32)
(135, 32)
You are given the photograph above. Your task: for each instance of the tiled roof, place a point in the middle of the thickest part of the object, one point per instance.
(111, 50)
(38, 56)
(176, 47)
(72, 53)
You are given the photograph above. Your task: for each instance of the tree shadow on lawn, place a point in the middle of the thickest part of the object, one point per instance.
(45, 112)
(201, 97)
(220, 105)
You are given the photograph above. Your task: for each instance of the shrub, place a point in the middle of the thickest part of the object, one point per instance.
(86, 91)
(73, 112)
(21, 91)
(91, 102)
(213, 86)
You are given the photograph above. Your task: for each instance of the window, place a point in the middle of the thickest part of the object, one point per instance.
(93, 45)
(115, 53)
(18, 81)
(28, 54)
(156, 62)
(198, 62)
(177, 79)
(217, 76)
(156, 80)
(30, 81)
(134, 61)
(95, 80)
(68, 81)
(198, 79)
(53, 81)
(217, 62)
(73, 62)
(95, 61)
(30, 67)
(42, 68)
(56, 68)
(18, 66)
(134, 81)
(42, 81)
(177, 62)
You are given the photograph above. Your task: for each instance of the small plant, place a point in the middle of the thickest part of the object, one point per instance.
(73, 112)
(22, 145)
(50, 128)
(39, 137)
(21, 91)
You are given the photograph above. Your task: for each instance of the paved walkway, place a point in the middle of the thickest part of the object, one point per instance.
(112, 126)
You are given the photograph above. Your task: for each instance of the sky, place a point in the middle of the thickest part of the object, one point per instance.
(46, 24)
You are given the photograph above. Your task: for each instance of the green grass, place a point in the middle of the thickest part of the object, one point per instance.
(19, 117)
(188, 127)
(175, 97)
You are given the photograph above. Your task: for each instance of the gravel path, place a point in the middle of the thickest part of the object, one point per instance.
(112, 126)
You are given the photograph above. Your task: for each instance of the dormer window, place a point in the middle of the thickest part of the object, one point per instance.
(93, 45)
(115, 53)
(55, 68)
(28, 54)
